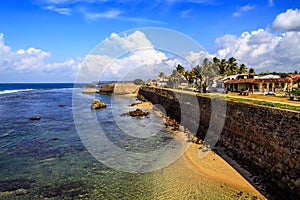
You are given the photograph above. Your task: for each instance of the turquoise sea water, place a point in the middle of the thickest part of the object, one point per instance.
(47, 158)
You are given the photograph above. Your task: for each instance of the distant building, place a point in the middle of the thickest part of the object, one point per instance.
(260, 85)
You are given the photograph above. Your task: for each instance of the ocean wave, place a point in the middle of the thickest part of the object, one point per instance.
(14, 91)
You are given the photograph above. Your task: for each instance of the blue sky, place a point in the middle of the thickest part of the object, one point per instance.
(47, 40)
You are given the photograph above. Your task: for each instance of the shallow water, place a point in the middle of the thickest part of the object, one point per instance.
(47, 158)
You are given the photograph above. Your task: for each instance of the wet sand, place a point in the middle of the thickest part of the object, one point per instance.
(191, 177)
(214, 167)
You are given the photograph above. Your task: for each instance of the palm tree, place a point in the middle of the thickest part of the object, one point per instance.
(180, 69)
(217, 62)
(252, 71)
(242, 69)
(223, 67)
(232, 65)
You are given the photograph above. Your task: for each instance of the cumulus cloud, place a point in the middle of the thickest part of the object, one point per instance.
(288, 21)
(241, 10)
(262, 50)
(33, 61)
(120, 55)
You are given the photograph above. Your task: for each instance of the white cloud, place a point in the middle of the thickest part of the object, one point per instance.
(262, 50)
(241, 10)
(116, 14)
(63, 11)
(185, 13)
(271, 2)
(196, 58)
(33, 61)
(68, 7)
(110, 14)
(115, 45)
(288, 21)
(121, 55)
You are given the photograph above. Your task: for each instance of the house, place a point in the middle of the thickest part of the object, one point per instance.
(260, 85)
(162, 81)
(296, 80)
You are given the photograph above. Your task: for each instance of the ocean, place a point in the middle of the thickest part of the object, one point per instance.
(65, 156)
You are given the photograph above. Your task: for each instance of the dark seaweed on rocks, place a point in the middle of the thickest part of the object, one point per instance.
(12, 185)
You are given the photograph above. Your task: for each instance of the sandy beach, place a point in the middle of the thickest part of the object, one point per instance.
(191, 177)
(190, 173)
(214, 167)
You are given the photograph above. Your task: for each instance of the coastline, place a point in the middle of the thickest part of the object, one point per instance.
(212, 166)
(216, 168)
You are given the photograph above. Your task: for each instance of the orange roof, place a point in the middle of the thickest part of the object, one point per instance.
(294, 76)
(260, 80)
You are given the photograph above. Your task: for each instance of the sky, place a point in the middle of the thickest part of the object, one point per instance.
(55, 40)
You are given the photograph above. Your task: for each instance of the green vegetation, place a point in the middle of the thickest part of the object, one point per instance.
(255, 102)
(138, 81)
(295, 92)
(207, 70)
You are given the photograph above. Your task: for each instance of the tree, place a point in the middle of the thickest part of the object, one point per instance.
(217, 62)
(138, 81)
(242, 69)
(161, 75)
(252, 71)
(180, 69)
(232, 65)
(223, 67)
(174, 78)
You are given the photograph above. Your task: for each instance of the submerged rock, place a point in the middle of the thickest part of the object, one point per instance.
(97, 104)
(71, 189)
(138, 113)
(35, 118)
(12, 185)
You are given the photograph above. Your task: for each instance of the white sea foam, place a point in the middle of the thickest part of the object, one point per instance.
(14, 91)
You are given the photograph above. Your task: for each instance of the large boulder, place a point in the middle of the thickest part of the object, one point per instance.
(97, 104)
(106, 88)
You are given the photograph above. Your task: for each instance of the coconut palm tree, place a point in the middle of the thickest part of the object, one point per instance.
(223, 67)
(232, 65)
(180, 69)
(242, 68)
(252, 71)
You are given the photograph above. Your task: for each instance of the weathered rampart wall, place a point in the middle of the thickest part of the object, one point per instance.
(266, 141)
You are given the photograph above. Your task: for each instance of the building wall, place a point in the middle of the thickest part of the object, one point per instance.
(264, 140)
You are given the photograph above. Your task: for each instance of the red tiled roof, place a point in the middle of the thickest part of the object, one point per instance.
(294, 76)
(261, 80)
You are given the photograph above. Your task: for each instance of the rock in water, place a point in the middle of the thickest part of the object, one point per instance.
(97, 104)
(35, 118)
(138, 113)
(89, 90)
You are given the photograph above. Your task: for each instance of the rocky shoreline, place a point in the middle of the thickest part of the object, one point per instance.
(252, 136)
(113, 88)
